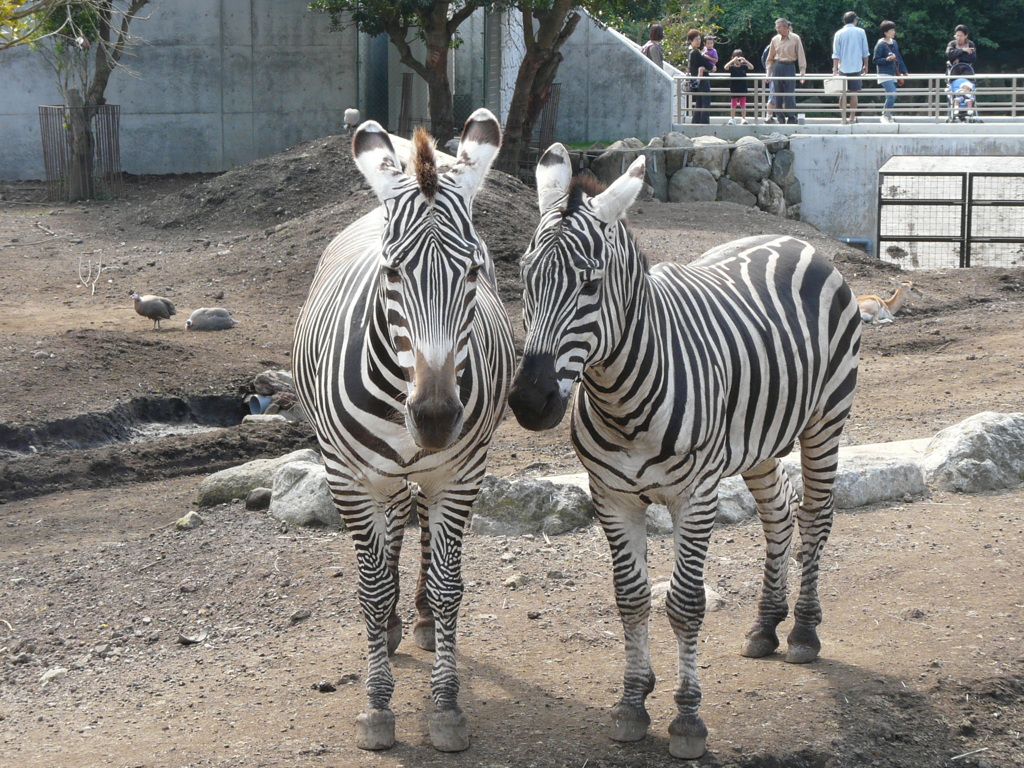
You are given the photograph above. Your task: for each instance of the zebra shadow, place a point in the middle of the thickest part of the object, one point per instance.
(871, 718)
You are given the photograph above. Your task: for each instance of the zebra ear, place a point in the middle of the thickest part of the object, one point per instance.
(376, 158)
(554, 174)
(481, 139)
(613, 203)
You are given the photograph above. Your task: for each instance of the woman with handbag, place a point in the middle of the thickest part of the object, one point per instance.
(889, 63)
(698, 67)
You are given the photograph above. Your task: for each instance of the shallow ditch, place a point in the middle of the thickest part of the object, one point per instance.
(141, 417)
(146, 439)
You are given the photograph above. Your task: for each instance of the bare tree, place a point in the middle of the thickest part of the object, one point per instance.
(84, 41)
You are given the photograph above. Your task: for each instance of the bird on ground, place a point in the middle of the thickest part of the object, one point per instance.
(352, 119)
(156, 308)
(210, 319)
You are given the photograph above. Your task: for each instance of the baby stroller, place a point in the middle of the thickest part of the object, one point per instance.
(961, 93)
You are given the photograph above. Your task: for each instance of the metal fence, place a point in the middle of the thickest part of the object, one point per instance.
(55, 127)
(928, 98)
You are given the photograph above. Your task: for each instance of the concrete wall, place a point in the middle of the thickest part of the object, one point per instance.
(216, 84)
(839, 173)
(610, 90)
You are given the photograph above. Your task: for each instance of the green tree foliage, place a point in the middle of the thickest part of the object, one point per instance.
(924, 27)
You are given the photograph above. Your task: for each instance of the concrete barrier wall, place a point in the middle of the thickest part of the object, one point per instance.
(839, 173)
(609, 89)
(212, 86)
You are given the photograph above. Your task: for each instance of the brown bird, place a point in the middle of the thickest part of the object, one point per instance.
(156, 308)
(210, 319)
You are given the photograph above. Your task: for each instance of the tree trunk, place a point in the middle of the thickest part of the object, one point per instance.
(80, 141)
(533, 81)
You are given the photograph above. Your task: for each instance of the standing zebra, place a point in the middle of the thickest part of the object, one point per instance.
(688, 374)
(402, 361)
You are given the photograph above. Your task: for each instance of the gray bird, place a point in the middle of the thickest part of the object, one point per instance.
(156, 308)
(210, 319)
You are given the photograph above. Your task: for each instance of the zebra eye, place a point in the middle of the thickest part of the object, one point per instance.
(391, 273)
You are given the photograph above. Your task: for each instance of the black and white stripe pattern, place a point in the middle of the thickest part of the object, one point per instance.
(687, 374)
(402, 360)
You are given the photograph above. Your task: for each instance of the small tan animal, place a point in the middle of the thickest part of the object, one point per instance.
(210, 319)
(876, 310)
(156, 308)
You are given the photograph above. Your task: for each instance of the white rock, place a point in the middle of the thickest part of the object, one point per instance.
(982, 453)
(300, 495)
(236, 482)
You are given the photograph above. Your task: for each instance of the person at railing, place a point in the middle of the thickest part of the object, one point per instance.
(850, 59)
(737, 67)
(785, 58)
(652, 48)
(701, 85)
(889, 64)
(710, 53)
(770, 105)
(961, 49)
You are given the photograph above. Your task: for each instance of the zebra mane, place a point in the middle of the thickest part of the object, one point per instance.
(424, 164)
(588, 185)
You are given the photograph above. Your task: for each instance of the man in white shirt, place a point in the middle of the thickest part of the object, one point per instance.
(850, 56)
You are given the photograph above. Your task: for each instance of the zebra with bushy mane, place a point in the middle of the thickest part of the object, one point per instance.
(687, 374)
(402, 361)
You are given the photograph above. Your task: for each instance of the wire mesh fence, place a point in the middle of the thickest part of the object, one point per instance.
(104, 162)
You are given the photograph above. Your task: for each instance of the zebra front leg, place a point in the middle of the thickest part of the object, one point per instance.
(819, 462)
(378, 595)
(447, 521)
(685, 604)
(625, 526)
(776, 504)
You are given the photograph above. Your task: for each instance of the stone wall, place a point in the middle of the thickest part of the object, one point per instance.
(753, 171)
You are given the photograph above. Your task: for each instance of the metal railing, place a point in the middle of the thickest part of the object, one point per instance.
(927, 98)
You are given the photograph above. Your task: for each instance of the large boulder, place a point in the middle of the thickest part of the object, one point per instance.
(614, 161)
(710, 152)
(236, 482)
(771, 199)
(982, 453)
(792, 192)
(678, 149)
(782, 168)
(300, 496)
(655, 174)
(731, 192)
(692, 185)
(749, 162)
(531, 505)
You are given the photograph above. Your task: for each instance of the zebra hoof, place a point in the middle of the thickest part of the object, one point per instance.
(629, 723)
(758, 645)
(448, 731)
(801, 654)
(394, 634)
(687, 738)
(423, 634)
(375, 729)
(802, 646)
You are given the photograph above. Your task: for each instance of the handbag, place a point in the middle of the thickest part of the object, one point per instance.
(835, 85)
(900, 82)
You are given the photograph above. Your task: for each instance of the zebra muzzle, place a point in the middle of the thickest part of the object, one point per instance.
(536, 398)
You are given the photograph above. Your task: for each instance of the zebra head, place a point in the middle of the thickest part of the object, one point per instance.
(430, 259)
(566, 278)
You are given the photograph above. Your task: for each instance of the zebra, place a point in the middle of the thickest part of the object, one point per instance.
(687, 374)
(403, 356)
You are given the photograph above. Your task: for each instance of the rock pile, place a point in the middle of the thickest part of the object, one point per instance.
(751, 171)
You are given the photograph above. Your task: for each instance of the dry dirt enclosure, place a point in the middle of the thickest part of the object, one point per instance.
(923, 638)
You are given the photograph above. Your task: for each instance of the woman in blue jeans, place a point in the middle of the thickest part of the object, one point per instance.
(889, 62)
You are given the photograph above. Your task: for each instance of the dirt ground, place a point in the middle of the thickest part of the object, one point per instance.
(923, 640)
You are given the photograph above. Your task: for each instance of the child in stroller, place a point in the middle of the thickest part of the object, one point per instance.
(962, 100)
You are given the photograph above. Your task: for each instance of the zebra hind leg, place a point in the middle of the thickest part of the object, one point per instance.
(423, 630)
(819, 446)
(398, 517)
(776, 504)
